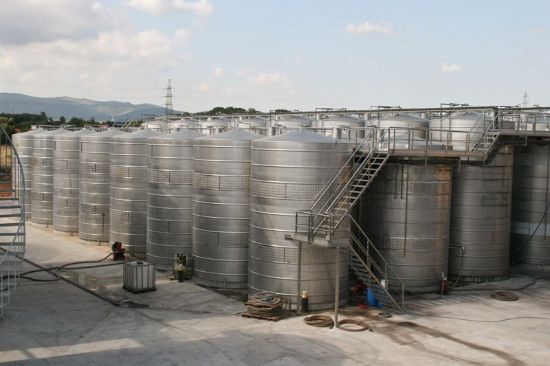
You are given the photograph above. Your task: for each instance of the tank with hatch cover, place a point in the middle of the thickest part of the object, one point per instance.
(254, 124)
(347, 127)
(128, 172)
(480, 219)
(407, 218)
(459, 131)
(169, 197)
(95, 185)
(183, 124)
(288, 173)
(212, 126)
(288, 123)
(221, 208)
(42, 176)
(66, 167)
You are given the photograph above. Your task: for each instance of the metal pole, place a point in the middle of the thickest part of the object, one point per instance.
(299, 282)
(337, 287)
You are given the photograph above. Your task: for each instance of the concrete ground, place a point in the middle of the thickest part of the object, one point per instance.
(56, 323)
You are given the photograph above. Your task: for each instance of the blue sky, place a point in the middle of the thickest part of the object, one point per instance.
(279, 54)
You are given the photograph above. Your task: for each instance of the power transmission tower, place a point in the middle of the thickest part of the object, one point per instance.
(168, 106)
(525, 102)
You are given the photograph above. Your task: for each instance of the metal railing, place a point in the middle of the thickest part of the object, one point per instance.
(12, 201)
(377, 267)
(320, 212)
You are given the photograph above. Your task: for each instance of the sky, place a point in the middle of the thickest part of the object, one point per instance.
(292, 54)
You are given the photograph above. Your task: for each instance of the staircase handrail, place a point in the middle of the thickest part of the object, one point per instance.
(335, 189)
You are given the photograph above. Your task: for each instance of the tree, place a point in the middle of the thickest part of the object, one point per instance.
(62, 120)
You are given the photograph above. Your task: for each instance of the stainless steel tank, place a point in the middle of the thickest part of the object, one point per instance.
(183, 124)
(170, 195)
(351, 128)
(95, 185)
(42, 176)
(530, 231)
(480, 220)
(288, 172)
(158, 125)
(407, 218)
(66, 180)
(23, 144)
(460, 130)
(289, 123)
(402, 123)
(128, 219)
(212, 126)
(221, 204)
(254, 124)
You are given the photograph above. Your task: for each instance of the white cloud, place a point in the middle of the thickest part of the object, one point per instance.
(25, 21)
(269, 79)
(367, 27)
(90, 67)
(159, 7)
(448, 67)
(218, 72)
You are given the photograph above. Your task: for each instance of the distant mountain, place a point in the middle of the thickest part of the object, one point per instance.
(73, 107)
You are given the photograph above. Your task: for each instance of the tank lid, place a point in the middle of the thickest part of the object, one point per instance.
(142, 133)
(58, 131)
(233, 134)
(343, 118)
(301, 136)
(179, 135)
(29, 132)
(77, 133)
(404, 117)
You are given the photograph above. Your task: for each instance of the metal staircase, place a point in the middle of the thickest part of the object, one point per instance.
(488, 142)
(12, 219)
(374, 271)
(319, 224)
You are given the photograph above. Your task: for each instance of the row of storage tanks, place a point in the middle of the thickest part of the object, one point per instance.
(229, 198)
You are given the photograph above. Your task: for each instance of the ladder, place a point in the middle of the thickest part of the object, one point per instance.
(12, 219)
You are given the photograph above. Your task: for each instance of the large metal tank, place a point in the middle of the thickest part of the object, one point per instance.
(170, 195)
(402, 123)
(254, 124)
(288, 172)
(212, 126)
(42, 176)
(480, 220)
(128, 219)
(66, 180)
(221, 203)
(159, 125)
(183, 124)
(530, 231)
(407, 218)
(289, 123)
(349, 128)
(459, 131)
(23, 144)
(95, 186)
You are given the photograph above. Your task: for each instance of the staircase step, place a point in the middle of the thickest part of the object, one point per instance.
(9, 215)
(7, 224)
(9, 206)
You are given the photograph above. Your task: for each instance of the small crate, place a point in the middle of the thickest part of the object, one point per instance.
(139, 276)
